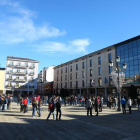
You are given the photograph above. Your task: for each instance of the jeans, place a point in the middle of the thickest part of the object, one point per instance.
(89, 109)
(39, 111)
(34, 110)
(59, 114)
(50, 114)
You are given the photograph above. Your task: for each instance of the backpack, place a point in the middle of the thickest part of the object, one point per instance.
(50, 106)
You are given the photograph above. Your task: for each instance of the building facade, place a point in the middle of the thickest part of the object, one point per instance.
(2, 78)
(91, 74)
(21, 76)
(45, 80)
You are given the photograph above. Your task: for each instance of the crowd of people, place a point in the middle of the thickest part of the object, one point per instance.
(54, 103)
(6, 102)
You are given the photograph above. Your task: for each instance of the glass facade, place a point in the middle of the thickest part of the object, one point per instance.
(130, 54)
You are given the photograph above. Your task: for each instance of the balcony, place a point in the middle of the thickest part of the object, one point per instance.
(23, 87)
(9, 86)
(20, 73)
(31, 86)
(31, 67)
(9, 72)
(21, 66)
(9, 79)
(10, 65)
(31, 74)
(20, 80)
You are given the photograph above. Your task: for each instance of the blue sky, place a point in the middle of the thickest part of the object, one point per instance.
(55, 31)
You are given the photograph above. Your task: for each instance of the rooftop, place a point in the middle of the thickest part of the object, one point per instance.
(20, 58)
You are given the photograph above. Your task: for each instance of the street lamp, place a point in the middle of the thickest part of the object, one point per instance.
(118, 78)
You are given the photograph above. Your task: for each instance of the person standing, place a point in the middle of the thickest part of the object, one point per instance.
(89, 106)
(58, 109)
(25, 103)
(39, 107)
(34, 105)
(51, 108)
(96, 105)
(129, 104)
(123, 102)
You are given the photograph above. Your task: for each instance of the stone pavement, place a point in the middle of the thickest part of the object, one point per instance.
(75, 125)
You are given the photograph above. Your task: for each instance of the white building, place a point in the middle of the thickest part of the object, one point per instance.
(46, 75)
(21, 75)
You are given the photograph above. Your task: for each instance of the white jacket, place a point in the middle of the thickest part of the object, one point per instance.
(129, 102)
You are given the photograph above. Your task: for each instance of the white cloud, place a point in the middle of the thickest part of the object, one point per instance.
(77, 46)
(20, 27)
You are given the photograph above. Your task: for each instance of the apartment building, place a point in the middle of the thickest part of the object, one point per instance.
(91, 74)
(45, 80)
(2, 78)
(21, 76)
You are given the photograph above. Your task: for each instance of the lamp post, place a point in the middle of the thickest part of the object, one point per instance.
(118, 75)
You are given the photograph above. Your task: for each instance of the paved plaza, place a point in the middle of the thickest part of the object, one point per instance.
(75, 125)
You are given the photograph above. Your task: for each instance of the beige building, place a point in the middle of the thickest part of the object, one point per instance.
(2, 79)
(87, 75)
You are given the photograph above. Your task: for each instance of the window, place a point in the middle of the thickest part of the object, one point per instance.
(90, 72)
(71, 76)
(90, 83)
(25, 71)
(99, 69)
(71, 68)
(110, 70)
(18, 70)
(61, 78)
(109, 57)
(61, 85)
(83, 74)
(83, 83)
(65, 84)
(90, 63)
(57, 72)
(99, 60)
(76, 75)
(99, 81)
(66, 70)
(61, 71)
(76, 84)
(57, 85)
(26, 64)
(76, 66)
(83, 65)
(66, 77)
(70, 84)
(110, 80)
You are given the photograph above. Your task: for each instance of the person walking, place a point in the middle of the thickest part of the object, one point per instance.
(129, 104)
(123, 102)
(25, 103)
(96, 105)
(51, 108)
(89, 106)
(39, 107)
(34, 105)
(58, 109)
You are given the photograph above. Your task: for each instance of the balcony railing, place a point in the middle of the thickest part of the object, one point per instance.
(20, 80)
(8, 86)
(23, 87)
(9, 79)
(22, 66)
(10, 65)
(21, 73)
(31, 67)
(31, 86)
(9, 72)
(31, 74)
